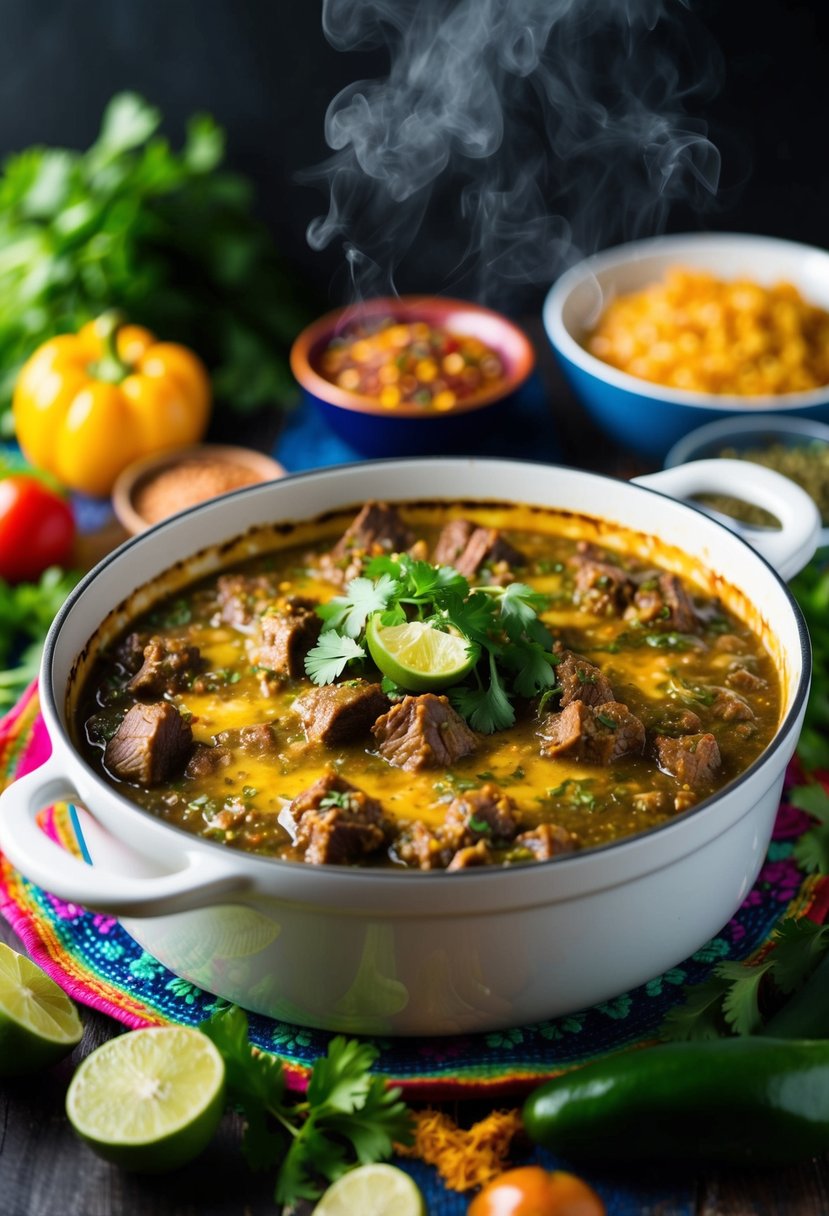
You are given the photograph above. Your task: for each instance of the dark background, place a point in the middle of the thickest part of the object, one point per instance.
(264, 69)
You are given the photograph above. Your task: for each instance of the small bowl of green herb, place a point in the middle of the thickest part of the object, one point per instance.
(796, 447)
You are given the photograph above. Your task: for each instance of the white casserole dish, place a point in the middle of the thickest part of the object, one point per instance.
(374, 951)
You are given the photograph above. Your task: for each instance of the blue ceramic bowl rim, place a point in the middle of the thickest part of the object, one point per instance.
(674, 248)
(736, 428)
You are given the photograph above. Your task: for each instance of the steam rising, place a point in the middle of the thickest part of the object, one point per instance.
(543, 129)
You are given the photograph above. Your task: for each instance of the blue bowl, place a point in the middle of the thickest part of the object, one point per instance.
(412, 430)
(650, 418)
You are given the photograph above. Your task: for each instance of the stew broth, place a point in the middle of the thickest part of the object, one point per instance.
(697, 679)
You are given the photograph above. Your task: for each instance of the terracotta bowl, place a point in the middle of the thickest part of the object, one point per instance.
(406, 430)
(161, 485)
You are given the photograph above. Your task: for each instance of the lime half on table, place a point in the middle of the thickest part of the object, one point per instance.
(372, 1190)
(38, 1022)
(418, 657)
(149, 1100)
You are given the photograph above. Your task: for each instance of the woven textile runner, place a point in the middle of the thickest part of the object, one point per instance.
(100, 965)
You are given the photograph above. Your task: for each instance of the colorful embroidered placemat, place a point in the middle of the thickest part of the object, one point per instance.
(99, 964)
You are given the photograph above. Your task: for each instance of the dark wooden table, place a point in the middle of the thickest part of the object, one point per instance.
(46, 1171)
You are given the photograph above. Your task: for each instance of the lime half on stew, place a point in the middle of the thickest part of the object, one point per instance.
(417, 656)
(149, 1100)
(38, 1022)
(372, 1190)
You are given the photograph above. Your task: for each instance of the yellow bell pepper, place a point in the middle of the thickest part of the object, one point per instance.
(87, 404)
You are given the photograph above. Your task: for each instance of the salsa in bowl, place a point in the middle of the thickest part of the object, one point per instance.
(380, 942)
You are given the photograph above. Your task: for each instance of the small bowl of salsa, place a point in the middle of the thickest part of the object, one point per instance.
(409, 375)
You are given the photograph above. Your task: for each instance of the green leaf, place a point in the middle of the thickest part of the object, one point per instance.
(204, 148)
(700, 1015)
(382, 1121)
(741, 1007)
(486, 710)
(534, 667)
(128, 122)
(811, 850)
(811, 798)
(340, 1079)
(348, 613)
(799, 944)
(329, 658)
(519, 606)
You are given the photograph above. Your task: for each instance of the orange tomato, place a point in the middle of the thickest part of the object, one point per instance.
(533, 1191)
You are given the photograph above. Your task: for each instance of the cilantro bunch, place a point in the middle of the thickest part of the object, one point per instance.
(167, 236)
(511, 646)
(348, 1116)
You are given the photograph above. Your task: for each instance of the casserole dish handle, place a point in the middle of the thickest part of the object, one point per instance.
(788, 549)
(197, 881)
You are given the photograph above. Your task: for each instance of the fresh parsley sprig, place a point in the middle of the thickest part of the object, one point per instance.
(501, 625)
(347, 1117)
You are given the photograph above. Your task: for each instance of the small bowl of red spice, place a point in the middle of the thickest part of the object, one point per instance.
(411, 374)
(152, 489)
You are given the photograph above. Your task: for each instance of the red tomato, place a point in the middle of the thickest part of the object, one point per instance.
(531, 1191)
(36, 528)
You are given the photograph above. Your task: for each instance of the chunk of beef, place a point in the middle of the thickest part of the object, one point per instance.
(243, 597)
(601, 586)
(423, 732)
(580, 680)
(150, 745)
(207, 760)
(693, 759)
(337, 823)
(486, 812)
(665, 603)
(130, 652)
(730, 643)
(377, 529)
(257, 740)
(546, 841)
(286, 637)
(472, 855)
(592, 736)
(424, 847)
(744, 680)
(468, 546)
(653, 802)
(340, 713)
(169, 666)
(675, 720)
(731, 707)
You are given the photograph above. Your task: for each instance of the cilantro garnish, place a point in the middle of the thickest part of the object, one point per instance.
(811, 850)
(501, 624)
(735, 997)
(348, 1115)
(328, 659)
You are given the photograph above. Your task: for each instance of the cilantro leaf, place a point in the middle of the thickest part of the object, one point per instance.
(741, 1005)
(799, 944)
(486, 709)
(340, 1079)
(381, 1122)
(811, 850)
(519, 606)
(329, 658)
(533, 665)
(347, 1114)
(348, 613)
(699, 1017)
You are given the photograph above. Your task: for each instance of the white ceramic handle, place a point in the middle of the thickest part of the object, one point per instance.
(201, 880)
(788, 549)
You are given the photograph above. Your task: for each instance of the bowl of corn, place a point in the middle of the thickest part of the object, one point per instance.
(660, 336)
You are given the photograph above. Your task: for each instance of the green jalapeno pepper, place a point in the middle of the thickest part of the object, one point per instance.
(735, 1101)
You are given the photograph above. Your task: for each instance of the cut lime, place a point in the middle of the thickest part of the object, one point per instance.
(38, 1022)
(372, 1190)
(418, 657)
(149, 1100)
